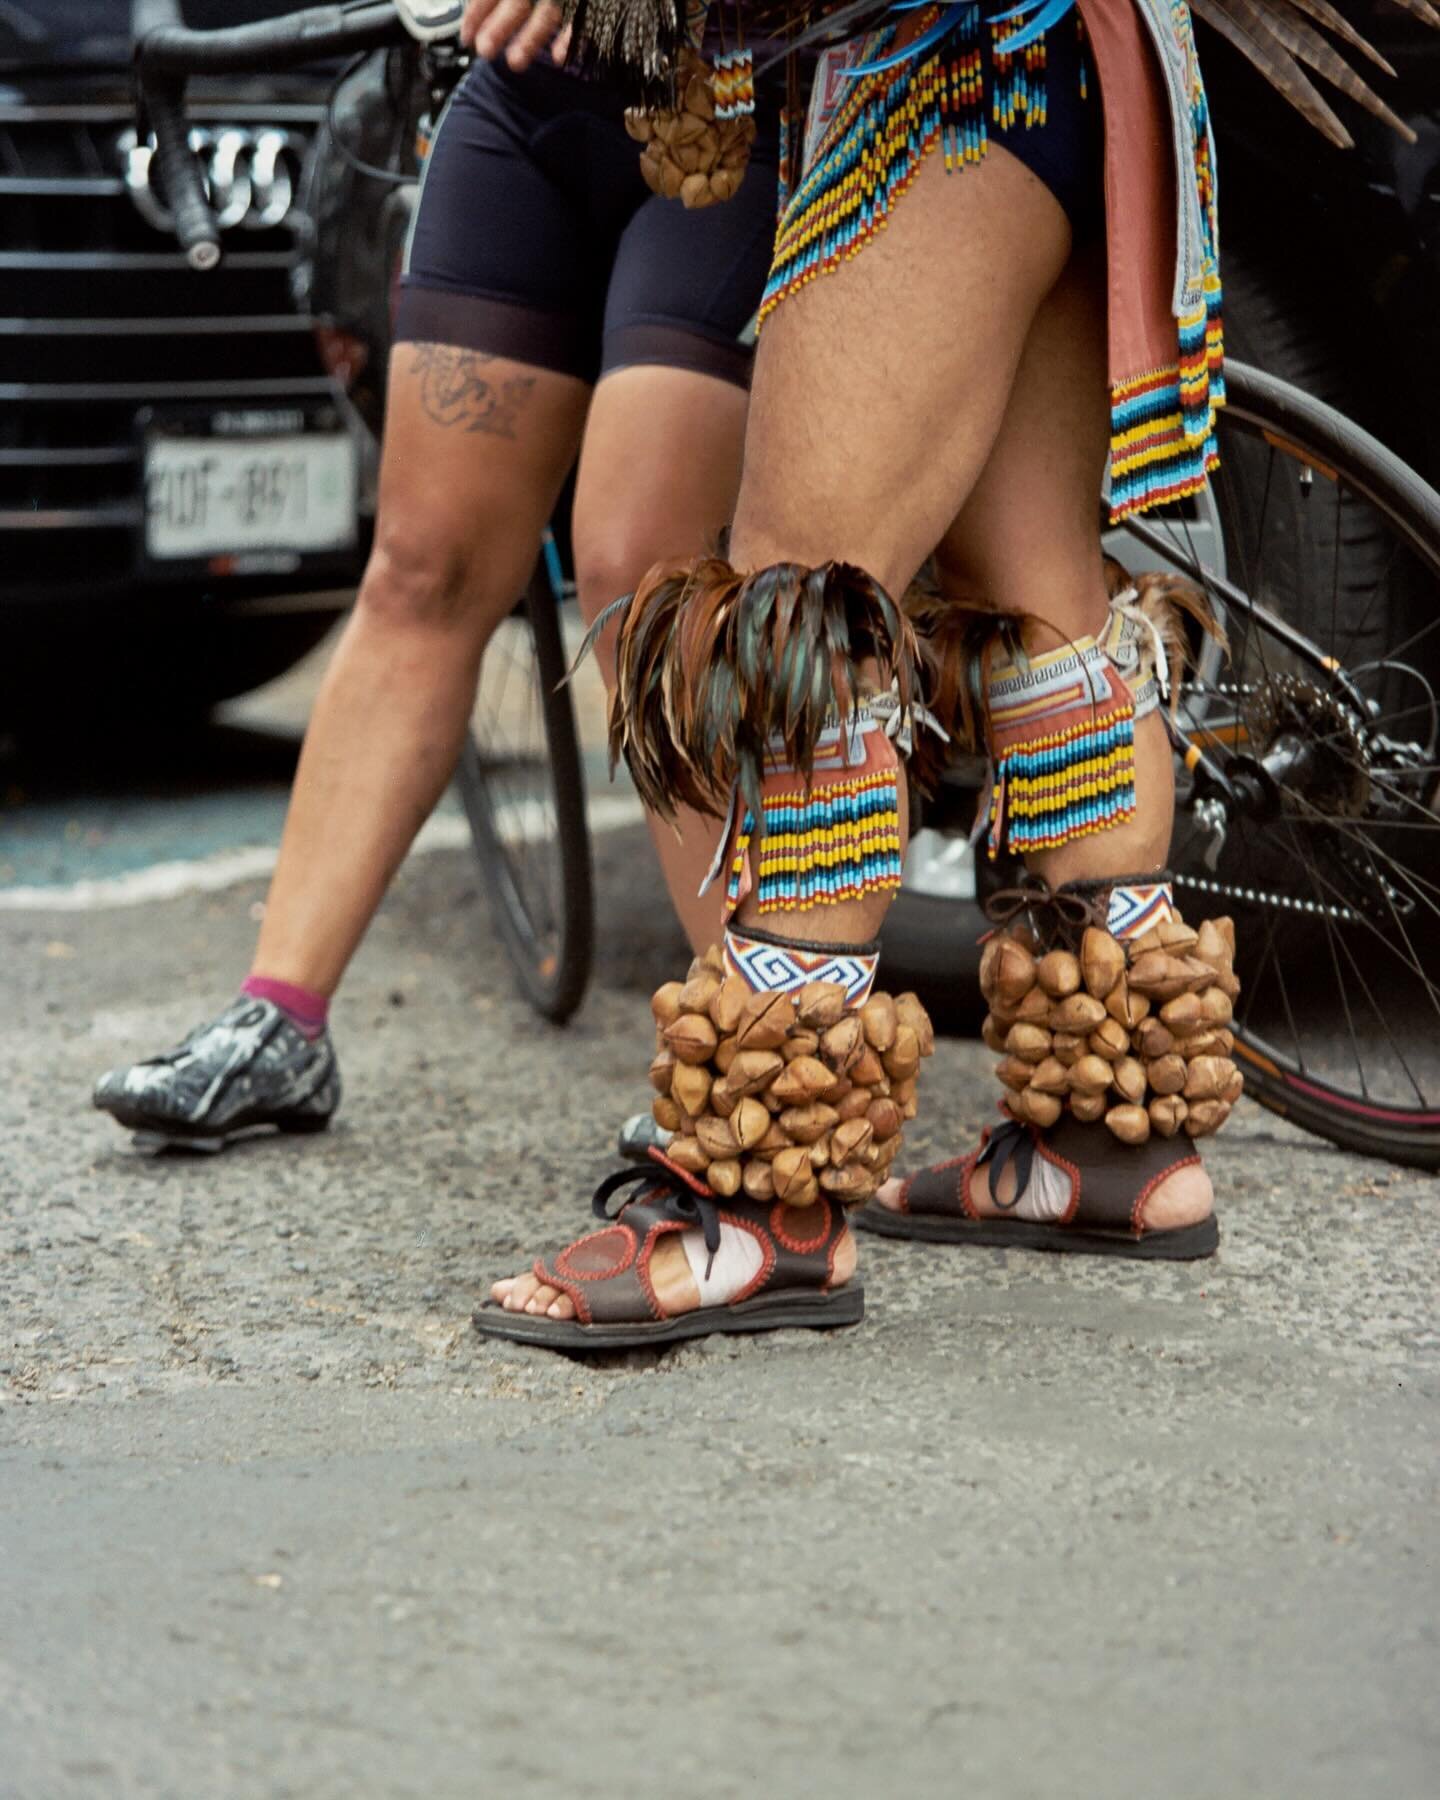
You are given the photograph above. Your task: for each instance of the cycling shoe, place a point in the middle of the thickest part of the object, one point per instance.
(248, 1069)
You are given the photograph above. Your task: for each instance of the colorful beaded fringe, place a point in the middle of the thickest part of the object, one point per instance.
(823, 845)
(872, 148)
(768, 967)
(1062, 737)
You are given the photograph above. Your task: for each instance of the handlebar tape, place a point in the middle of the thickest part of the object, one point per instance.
(164, 46)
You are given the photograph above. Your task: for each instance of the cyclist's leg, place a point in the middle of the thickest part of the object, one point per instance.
(476, 449)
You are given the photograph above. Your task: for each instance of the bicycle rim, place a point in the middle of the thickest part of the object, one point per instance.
(523, 789)
(1329, 710)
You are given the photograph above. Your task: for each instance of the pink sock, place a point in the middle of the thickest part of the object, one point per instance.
(304, 1008)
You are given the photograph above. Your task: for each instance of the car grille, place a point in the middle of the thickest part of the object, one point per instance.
(101, 317)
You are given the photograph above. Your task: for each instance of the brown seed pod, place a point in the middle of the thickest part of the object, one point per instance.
(725, 182)
(1089, 1075)
(1007, 971)
(792, 1173)
(1215, 1007)
(687, 129)
(692, 1038)
(867, 1070)
(1226, 927)
(880, 1023)
(1109, 1040)
(856, 1104)
(1088, 1107)
(691, 1086)
(717, 1140)
(820, 1152)
(1131, 1124)
(843, 1044)
(774, 1141)
(1030, 1043)
(1182, 1014)
(805, 1079)
(1128, 1077)
(1159, 976)
(882, 1153)
(753, 1070)
(662, 1067)
(992, 1033)
(767, 1021)
(807, 1123)
(1228, 983)
(666, 1113)
(723, 1177)
(1153, 1040)
(909, 1011)
(1077, 1013)
(711, 957)
(1012, 1073)
(1176, 936)
(908, 1107)
(850, 1185)
(820, 1004)
(1050, 1077)
(849, 1139)
(1167, 1114)
(1207, 1077)
(902, 1059)
(1058, 973)
(800, 1043)
(1102, 961)
(685, 1153)
(1037, 1109)
(1206, 1116)
(1034, 1009)
(665, 1003)
(724, 1099)
(727, 1005)
(1125, 1007)
(699, 991)
(1067, 1048)
(1204, 1042)
(758, 1180)
(885, 1118)
(638, 125)
(1145, 941)
(749, 1122)
(1210, 946)
(725, 1053)
(1166, 1074)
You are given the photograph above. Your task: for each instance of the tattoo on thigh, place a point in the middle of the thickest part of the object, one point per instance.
(457, 387)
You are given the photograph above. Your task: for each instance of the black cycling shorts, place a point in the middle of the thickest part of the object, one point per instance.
(536, 238)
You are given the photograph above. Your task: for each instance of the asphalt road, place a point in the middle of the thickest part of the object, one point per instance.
(276, 1523)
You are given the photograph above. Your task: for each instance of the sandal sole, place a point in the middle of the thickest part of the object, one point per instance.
(769, 1312)
(1188, 1244)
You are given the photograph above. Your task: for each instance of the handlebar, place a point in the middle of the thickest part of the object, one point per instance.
(167, 52)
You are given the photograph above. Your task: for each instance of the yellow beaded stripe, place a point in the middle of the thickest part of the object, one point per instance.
(823, 845)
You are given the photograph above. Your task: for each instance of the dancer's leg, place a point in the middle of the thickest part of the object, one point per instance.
(658, 478)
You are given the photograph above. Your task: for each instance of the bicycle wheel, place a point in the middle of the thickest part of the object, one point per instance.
(523, 789)
(1311, 804)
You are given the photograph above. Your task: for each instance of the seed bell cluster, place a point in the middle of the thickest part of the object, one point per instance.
(1134, 1033)
(784, 1096)
(690, 154)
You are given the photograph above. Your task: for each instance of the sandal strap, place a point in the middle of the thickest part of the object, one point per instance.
(607, 1272)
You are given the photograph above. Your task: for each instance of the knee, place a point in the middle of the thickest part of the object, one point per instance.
(610, 564)
(415, 579)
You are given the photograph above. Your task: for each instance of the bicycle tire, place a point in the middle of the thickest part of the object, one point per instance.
(1317, 434)
(551, 957)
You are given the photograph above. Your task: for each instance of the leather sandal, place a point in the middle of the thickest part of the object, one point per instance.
(607, 1273)
(1109, 1185)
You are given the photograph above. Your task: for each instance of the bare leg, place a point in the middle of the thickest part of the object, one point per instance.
(872, 416)
(658, 479)
(475, 451)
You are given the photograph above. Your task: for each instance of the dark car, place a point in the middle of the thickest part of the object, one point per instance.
(182, 483)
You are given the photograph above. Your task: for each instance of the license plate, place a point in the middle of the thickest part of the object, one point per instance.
(214, 496)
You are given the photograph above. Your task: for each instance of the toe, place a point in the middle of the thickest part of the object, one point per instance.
(542, 1299)
(561, 1308)
(520, 1290)
(888, 1193)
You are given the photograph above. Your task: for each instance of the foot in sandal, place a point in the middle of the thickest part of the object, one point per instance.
(1116, 1061)
(780, 1113)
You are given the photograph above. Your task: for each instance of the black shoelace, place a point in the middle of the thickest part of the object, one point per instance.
(1010, 1142)
(695, 1209)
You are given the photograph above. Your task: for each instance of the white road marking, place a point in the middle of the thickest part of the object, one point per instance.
(524, 822)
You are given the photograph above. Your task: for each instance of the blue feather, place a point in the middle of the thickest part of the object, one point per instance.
(1049, 14)
(947, 20)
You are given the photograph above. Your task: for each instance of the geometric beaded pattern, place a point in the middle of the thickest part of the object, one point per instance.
(785, 969)
(1139, 908)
